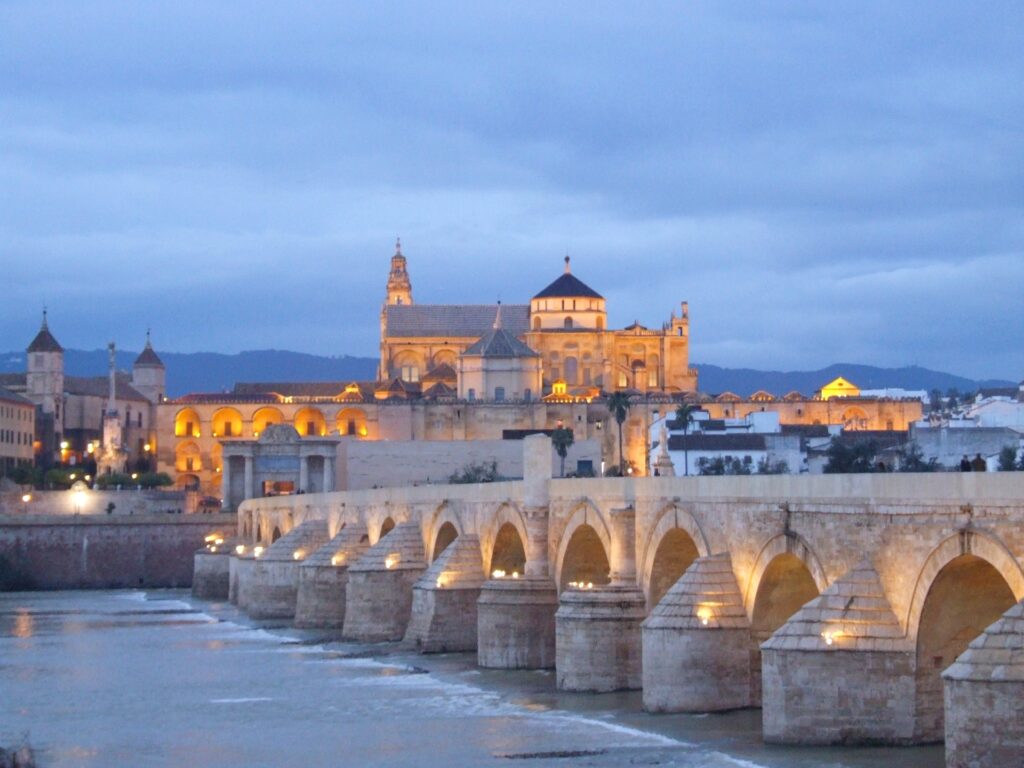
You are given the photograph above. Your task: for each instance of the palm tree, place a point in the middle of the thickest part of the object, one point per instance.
(618, 407)
(562, 438)
(684, 415)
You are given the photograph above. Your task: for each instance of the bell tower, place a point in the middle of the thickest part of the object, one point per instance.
(399, 285)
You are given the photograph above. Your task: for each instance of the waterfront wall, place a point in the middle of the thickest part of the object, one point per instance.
(96, 502)
(104, 552)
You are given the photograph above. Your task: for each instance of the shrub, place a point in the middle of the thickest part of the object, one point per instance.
(476, 473)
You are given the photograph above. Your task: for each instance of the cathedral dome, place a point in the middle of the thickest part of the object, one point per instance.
(568, 286)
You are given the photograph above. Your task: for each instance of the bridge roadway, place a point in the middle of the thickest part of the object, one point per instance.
(835, 602)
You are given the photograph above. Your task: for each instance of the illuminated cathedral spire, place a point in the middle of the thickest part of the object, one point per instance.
(399, 285)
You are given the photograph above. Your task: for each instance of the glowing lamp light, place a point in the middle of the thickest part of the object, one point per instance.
(240, 549)
(27, 498)
(257, 551)
(213, 548)
(338, 559)
(497, 573)
(210, 538)
(704, 614)
(298, 554)
(73, 475)
(831, 635)
(390, 561)
(218, 541)
(147, 447)
(63, 445)
(90, 448)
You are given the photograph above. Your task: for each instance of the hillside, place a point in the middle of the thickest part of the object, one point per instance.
(214, 372)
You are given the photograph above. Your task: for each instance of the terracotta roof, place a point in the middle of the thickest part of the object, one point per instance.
(453, 320)
(568, 286)
(499, 343)
(442, 372)
(440, 391)
(7, 396)
(99, 386)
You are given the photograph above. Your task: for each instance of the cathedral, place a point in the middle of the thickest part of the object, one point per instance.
(558, 344)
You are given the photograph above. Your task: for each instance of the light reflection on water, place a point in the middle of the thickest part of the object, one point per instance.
(114, 678)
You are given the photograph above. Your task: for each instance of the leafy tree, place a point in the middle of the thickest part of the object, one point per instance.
(912, 459)
(766, 466)
(953, 395)
(858, 457)
(618, 407)
(729, 465)
(935, 401)
(476, 473)
(684, 417)
(562, 438)
(1008, 459)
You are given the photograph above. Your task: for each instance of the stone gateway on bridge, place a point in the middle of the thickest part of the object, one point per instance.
(835, 602)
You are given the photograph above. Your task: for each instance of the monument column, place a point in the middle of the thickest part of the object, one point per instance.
(247, 489)
(303, 473)
(225, 484)
(328, 486)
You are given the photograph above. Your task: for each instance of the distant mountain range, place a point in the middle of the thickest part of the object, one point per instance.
(214, 372)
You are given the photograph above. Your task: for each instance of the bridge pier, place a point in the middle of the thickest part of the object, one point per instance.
(597, 630)
(378, 596)
(597, 638)
(211, 573)
(274, 579)
(984, 689)
(444, 600)
(239, 572)
(516, 623)
(696, 643)
(840, 671)
(320, 601)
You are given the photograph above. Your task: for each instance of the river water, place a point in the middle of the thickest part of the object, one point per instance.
(130, 678)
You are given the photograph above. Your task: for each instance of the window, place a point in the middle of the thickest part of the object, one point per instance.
(350, 427)
(652, 378)
(139, 420)
(228, 427)
(188, 429)
(527, 395)
(471, 394)
(536, 323)
(310, 427)
(499, 394)
(190, 464)
(410, 373)
(568, 322)
(622, 380)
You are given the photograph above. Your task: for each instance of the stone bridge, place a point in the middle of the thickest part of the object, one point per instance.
(835, 602)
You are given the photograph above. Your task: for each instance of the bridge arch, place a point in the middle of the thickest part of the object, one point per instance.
(671, 546)
(444, 518)
(583, 552)
(967, 583)
(793, 544)
(504, 546)
(786, 576)
(386, 526)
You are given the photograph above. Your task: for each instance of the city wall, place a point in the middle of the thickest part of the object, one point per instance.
(98, 502)
(104, 552)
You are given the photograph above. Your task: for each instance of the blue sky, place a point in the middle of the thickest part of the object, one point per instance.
(822, 182)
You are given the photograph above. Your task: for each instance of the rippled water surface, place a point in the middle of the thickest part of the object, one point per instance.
(157, 679)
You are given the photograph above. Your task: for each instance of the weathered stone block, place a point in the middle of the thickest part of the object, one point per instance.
(696, 669)
(378, 604)
(211, 575)
(984, 723)
(320, 600)
(837, 696)
(516, 624)
(272, 589)
(597, 639)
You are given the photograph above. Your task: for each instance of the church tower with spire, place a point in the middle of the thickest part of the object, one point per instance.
(399, 285)
(44, 384)
(149, 376)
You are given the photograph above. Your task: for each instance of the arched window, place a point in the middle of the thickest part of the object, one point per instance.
(568, 322)
(536, 323)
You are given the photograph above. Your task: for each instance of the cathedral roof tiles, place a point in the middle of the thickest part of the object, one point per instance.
(568, 286)
(454, 320)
